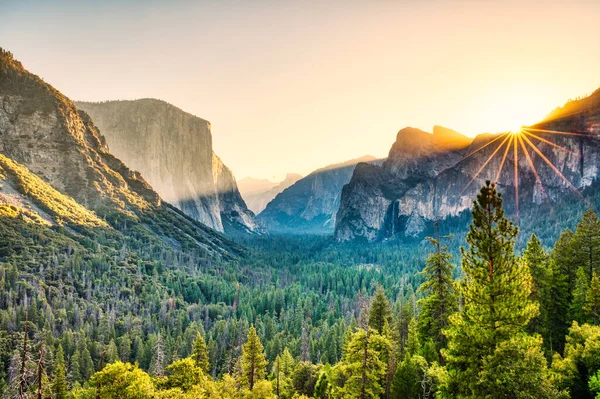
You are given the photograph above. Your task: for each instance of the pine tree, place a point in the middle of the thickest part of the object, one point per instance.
(87, 364)
(380, 312)
(253, 361)
(287, 363)
(365, 364)
(200, 353)
(408, 376)
(587, 243)
(537, 260)
(74, 369)
(59, 386)
(157, 365)
(441, 299)
(580, 293)
(497, 307)
(592, 307)
(562, 282)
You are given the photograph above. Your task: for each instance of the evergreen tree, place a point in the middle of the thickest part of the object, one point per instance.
(497, 307)
(200, 353)
(364, 365)
(380, 312)
(157, 365)
(86, 364)
(580, 294)
(59, 386)
(587, 243)
(253, 361)
(441, 299)
(74, 369)
(592, 307)
(538, 263)
(408, 377)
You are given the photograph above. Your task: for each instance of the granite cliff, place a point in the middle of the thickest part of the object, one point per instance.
(56, 157)
(172, 149)
(436, 176)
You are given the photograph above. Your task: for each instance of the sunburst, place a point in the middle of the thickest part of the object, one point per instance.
(520, 139)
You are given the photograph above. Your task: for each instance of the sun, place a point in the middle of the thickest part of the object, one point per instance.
(516, 130)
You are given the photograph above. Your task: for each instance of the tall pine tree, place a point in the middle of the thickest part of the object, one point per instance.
(441, 299)
(200, 353)
(380, 313)
(253, 361)
(539, 267)
(487, 337)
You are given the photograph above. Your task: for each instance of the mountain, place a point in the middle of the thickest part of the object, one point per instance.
(259, 192)
(172, 149)
(57, 164)
(436, 176)
(310, 204)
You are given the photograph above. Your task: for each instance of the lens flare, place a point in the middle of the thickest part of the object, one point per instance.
(519, 138)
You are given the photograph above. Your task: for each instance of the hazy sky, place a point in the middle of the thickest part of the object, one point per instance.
(290, 86)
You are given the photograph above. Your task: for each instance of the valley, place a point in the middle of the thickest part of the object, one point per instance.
(133, 264)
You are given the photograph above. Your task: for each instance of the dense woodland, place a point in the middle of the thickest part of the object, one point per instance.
(116, 317)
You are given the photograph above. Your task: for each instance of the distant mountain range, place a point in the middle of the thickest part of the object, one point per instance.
(259, 192)
(310, 204)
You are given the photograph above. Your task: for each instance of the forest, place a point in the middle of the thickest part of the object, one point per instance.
(302, 317)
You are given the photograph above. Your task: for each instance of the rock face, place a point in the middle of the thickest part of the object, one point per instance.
(430, 176)
(43, 133)
(259, 192)
(310, 205)
(173, 151)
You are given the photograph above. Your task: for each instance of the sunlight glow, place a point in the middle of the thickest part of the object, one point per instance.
(519, 138)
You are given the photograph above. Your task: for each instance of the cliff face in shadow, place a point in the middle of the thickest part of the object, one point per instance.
(310, 204)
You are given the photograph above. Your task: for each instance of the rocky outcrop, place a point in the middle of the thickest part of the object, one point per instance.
(370, 206)
(427, 178)
(172, 149)
(259, 192)
(45, 135)
(310, 205)
(235, 216)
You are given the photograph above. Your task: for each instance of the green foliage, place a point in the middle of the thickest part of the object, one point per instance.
(184, 374)
(408, 378)
(363, 368)
(118, 381)
(253, 361)
(581, 360)
(59, 385)
(497, 306)
(109, 297)
(200, 354)
(380, 313)
(441, 299)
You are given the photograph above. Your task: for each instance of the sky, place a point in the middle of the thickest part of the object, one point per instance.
(292, 86)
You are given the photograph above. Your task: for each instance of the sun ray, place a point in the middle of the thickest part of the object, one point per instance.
(554, 168)
(549, 142)
(535, 173)
(516, 177)
(556, 132)
(485, 163)
(485, 145)
(508, 145)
